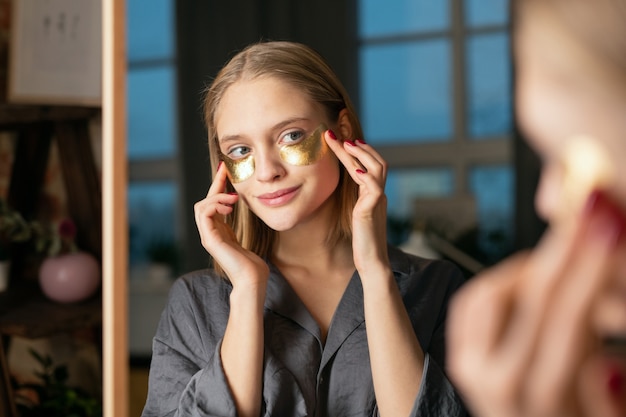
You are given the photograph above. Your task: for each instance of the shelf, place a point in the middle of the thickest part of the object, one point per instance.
(16, 115)
(26, 312)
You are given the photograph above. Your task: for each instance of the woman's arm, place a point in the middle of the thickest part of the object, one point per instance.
(396, 357)
(186, 372)
(242, 347)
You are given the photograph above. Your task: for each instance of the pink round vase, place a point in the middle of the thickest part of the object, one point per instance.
(69, 278)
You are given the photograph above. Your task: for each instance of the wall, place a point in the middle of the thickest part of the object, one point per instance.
(209, 32)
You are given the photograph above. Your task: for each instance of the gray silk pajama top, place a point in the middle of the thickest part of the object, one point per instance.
(301, 376)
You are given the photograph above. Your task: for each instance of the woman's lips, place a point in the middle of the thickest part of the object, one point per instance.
(279, 197)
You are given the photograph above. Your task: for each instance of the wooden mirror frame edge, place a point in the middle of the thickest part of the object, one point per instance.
(114, 217)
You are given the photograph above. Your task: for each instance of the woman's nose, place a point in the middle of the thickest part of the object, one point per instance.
(268, 166)
(548, 196)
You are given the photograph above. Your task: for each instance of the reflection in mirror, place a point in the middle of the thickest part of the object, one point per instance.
(432, 86)
(154, 188)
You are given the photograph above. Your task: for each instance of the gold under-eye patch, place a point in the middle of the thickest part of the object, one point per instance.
(308, 151)
(305, 152)
(587, 167)
(239, 169)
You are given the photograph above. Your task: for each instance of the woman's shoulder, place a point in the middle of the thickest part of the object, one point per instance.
(409, 267)
(198, 301)
(202, 286)
(196, 313)
(406, 262)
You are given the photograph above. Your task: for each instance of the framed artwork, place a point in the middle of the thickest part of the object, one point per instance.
(55, 54)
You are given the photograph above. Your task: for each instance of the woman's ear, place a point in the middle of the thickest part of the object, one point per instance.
(344, 125)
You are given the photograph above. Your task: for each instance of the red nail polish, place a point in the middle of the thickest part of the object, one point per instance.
(219, 165)
(332, 134)
(360, 171)
(615, 381)
(349, 142)
(361, 141)
(606, 218)
(592, 202)
(232, 193)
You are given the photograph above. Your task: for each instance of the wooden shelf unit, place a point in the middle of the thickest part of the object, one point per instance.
(24, 311)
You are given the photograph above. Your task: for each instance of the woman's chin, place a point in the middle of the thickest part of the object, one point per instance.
(282, 224)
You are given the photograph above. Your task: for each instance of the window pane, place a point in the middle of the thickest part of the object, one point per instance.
(489, 85)
(378, 18)
(405, 92)
(404, 186)
(151, 112)
(151, 217)
(150, 29)
(493, 189)
(486, 12)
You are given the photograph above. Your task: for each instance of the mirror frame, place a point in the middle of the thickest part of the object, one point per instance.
(114, 212)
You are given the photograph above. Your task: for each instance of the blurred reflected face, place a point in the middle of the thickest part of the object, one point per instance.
(563, 90)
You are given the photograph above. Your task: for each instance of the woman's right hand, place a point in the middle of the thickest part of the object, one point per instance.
(219, 239)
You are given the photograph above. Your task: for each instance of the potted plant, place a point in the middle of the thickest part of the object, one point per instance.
(67, 274)
(52, 396)
(13, 228)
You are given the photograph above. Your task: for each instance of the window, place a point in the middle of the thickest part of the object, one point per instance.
(152, 130)
(435, 100)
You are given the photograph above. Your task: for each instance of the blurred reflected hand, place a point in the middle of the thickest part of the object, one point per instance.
(525, 338)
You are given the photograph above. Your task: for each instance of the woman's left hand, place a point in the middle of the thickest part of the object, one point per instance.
(369, 217)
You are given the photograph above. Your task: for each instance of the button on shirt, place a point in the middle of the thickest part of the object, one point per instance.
(301, 375)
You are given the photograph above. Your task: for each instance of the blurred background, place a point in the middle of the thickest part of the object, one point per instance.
(432, 81)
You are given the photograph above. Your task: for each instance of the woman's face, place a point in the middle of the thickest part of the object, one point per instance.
(563, 91)
(258, 123)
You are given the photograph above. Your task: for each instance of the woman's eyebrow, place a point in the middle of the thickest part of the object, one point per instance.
(289, 121)
(277, 126)
(229, 138)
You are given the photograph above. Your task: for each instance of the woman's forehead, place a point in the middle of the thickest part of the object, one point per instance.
(249, 106)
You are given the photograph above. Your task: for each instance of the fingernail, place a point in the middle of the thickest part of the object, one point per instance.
(615, 381)
(233, 193)
(360, 171)
(219, 165)
(361, 141)
(349, 142)
(605, 218)
(332, 134)
(592, 202)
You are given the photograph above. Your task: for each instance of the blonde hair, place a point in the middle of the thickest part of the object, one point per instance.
(303, 68)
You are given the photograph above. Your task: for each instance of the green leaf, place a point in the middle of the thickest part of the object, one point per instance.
(37, 356)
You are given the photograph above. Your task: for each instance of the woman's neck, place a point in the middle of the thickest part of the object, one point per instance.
(312, 250)
(307, 244)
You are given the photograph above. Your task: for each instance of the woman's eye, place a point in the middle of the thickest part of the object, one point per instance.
(292, 137)
(238, 152)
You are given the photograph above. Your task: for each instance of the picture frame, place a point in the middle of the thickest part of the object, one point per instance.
(55, 52)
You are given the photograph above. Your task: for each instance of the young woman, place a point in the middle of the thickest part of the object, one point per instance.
(540, 347)
(307, 311)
